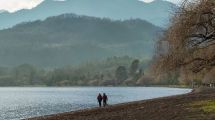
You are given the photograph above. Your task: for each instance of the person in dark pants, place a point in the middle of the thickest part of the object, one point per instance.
(105, 99)
(99, 98)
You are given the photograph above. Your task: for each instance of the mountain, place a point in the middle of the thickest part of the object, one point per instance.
(72, 39)
(1, 11)
(156, 12)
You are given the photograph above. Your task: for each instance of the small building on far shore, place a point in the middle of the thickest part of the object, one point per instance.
(209, 79)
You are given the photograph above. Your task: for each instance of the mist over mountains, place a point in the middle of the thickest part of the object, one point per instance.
(156, 12)
(72, 39)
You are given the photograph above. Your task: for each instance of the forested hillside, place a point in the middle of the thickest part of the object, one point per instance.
(72, 39)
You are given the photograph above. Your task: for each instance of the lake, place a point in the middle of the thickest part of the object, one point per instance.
(19, 103)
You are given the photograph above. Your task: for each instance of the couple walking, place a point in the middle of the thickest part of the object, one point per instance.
(103, 98)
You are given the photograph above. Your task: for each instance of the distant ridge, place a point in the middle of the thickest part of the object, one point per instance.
(72, 39)
(156, 12)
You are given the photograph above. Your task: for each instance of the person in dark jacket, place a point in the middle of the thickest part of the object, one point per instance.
(99, 98)
(105, 99)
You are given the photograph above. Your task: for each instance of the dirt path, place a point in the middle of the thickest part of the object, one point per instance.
(168, 108)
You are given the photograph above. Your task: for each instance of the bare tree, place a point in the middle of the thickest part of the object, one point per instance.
(189, 42)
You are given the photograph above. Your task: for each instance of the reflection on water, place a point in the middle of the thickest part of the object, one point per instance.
(19, 103)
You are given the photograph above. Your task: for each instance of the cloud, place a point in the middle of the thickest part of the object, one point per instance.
(147, 1)
(14, 5)
(173, 1)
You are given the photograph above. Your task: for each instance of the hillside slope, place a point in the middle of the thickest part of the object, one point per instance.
(73, 39)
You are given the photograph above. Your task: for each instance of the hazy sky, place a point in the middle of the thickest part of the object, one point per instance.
(13, 5)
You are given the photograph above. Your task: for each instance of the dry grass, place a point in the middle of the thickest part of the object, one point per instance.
(207, 106)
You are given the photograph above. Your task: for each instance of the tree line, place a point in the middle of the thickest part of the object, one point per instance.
(114, 71)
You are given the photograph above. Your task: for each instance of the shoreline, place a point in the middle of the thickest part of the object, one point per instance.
(176, 107)
(99, 108)
(166, 86)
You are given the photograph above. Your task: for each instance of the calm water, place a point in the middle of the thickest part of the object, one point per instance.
(19, 103)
